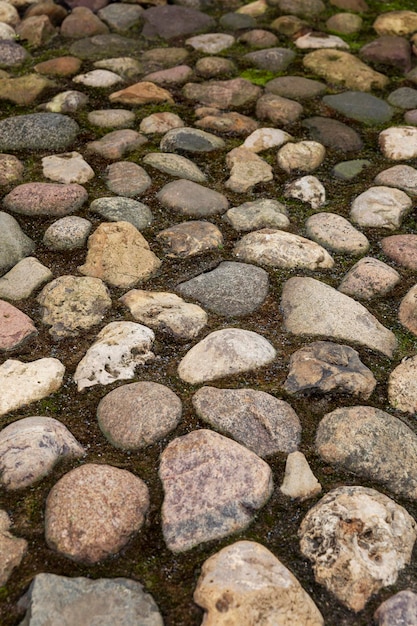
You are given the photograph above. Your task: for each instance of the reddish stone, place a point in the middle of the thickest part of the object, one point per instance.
(402, 249)
(15, 326)
(61, 66)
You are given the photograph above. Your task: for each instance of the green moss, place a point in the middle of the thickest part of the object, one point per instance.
(258, 77)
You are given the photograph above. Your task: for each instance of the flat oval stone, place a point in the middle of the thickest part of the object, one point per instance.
(224, 353)
(93, 510)
(37, 131)
(340, 67)
(187, 140)
(192, 199)
(30, 448)
(402, 249)
(315, 40)
(196, 507)
(295, 87)
(175, 165)
(23, 279)
(112, 118)
(360, 106)
(45, 199)
(68, 233)
(380, 207)
(336, 233)
(369, 278)
(120, 209)
(127, 179)
(190, 238)
(15, 327)
(271, 59)
(137, 415)
(211, 43)
(277, 248)
(333, 134)
(402, 177)
(277, 110)
(257, 420)
(231, 289)
(262, 213)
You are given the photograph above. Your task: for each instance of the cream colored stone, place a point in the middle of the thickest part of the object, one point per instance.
(299, 481)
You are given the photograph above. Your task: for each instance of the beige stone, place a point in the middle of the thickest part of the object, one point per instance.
(299, 481)
(343, 68)
(401, 23)
(141, 93)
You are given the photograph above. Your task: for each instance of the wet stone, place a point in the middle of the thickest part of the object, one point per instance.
(117, 144)
(327, 367)
(359, 106)
(127, 179)
(11, 169)
(373, 445)
(402, 388)
(169, 22)
(67, 168)
(31, 447)
(254, 578)
(336, 233)
(112, 118)
(333, 134)
(119, 209)
(228, 94)
(401, 249)
(196, 507)
(389, 50)
(137, 415)
(295, 87)
(313, 308)
(369, 278)
(12, 548)
(399, 608)
(232, 289)
(189, 140)
(166, 312)
(72, 304)
(192, 199)
(366, 539)
(224, 353)
(380, 207)
(93, 510)
(23, 279)
(190, 238)
(160, 123)
(175, 165)
(45, 199)
(307, 189)
(14, 244)
(61, 597)
(299, 481)
(270, 59)
(15, 327)
(257, 420)
(263, 213)
(37, 131)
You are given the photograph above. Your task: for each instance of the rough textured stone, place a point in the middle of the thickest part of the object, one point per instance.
(196, 508)
(115, 145)
(127, 179)
(262, 213)
(402, 249)
(190, 238)
(134, 416)
(120, 209)
(65, 599)
(277, 110)
(315, 40)
(23, 279)
(24, 383)
(265, 138)
(92, 512)
(119, 348)
(175, 165)
(369, 278)
(160, 123)
(11, 169)
(336, 233)
(71, 304)
(30, 447)
(311, 307)
(299, 481)
(45, 199)
(389, 50)
(371, 444)
(119, 255)
(165, 312)
(333, 134)
(188, 140)
(407, 313)
(12, 548)
(245, 583)
(402, 388)
(228, 94)
(67, 168)
(271, 59)
(247, 170)
(357, 540)
(396, 23)
(307, 189)
(224, 353)
(398, 143)
(15, 327)
(380, 207)
(67, 233)
(253, 418)
(141, 93)
(403, 177)
(168, 22)
(37, 131)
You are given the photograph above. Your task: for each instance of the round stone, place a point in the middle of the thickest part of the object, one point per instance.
(67, 233)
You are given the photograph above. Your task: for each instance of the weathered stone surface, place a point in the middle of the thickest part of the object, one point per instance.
(396, 23)
(121, 209)
(117, 144)
(67, 233)
(311, 307)
(92, 512)
(398, 143)
(407, 313)
(357, 540)
(329, 367)
(402, 388)
(380, 207)
(112, 118)
(348, 170)
(168, 22)
(71, 304)
(277, 248)
(262, 213)
(175, 165)
(30, 447)
(134, 416)
(24, 90)
(172, 76)
(191, 238)
(45, 199)
(82, 22)
(160, 123)
(228, 123)
(295, 87)
(15, 327)
(247, 170)
(37, 131)
(265, 138)
(315, 40)
(372, 444)
(119, 255)
(389, 50)
(303, 156)
(278, 110)
(11, 169)
(369, 278)
(24, 383)
(307, 189)
(337, 66)
(271, 59)
(62, 598)
(231, 289)
(224, 353)
(141, 93)
(67, 168)
(359, 106)
(301, 8)
(345, 23)
(127, 179)
(336, 233)
(400, 608)
(119, 348)
(12, 548)
(23, 279)
(402, 249)
(244, 583)
(403, 177)
(192, 199)
(165, 312)
(98, 79)
(333, 134)
(196, 508)
(299, 481)
(188, 140)
(259, 421)
(228, 94)
(69, 101)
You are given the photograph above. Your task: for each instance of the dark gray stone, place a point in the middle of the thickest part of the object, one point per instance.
(232, 289)
(302, 8)
(119, 209)
(360, 106)
(333, 134)
(14, 244)
(37, 131)
(236, 21)
(104, 47)
(168, 22)
(403, 98)
(190, 140)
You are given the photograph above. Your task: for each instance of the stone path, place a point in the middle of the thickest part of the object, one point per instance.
(208, 312)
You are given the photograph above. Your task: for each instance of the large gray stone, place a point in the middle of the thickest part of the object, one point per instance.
(14, 244)
(37, 131)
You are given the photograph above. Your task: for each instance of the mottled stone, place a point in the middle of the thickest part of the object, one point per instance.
(127, 179)
(244, 583)
(307, 189)
(116, 144)
(400, 608)
(31, 447)
(402, 177)
(82, 22)
(315, 40)
(247, 169)
(192, 199)
(359, 106)
(14, 244)
(59, 66)
(402, 388)
(303, 156)
(302, 8)
(12, 549)
(15, 327)
(69, 101)
(45, 199)
(24, 90)
(369, 278)
(396, 23)
(188, 140)
(119, 348)
(257, 420)
(357, 540)
(398, 143)
(313, 308)
(215, 67)
(143, 92)
(347, 170)
(262, 213)
(337, 66)
(166, 312)
(67, 168)
(197, 508)
(344, 23)
(12, 54)
(224, 353)
(407, 312)
(258, 38)
(402, 249)
(336, 233)
(190, 238)
(389, 50)
(380, 207)
(121, 17)
(175, 165)
(173, 76)
(11, 169)
(271, 59)
(265, 138)
(328, 367)
(37, 131)
(228, 94)
(68, 233)
(169, 22)
(295, 87)
(230, 123)
(278, 110)
(112, 118)
(92, 512)
(137, 415)
(211, 43)
(120, 209)
(23, 279)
